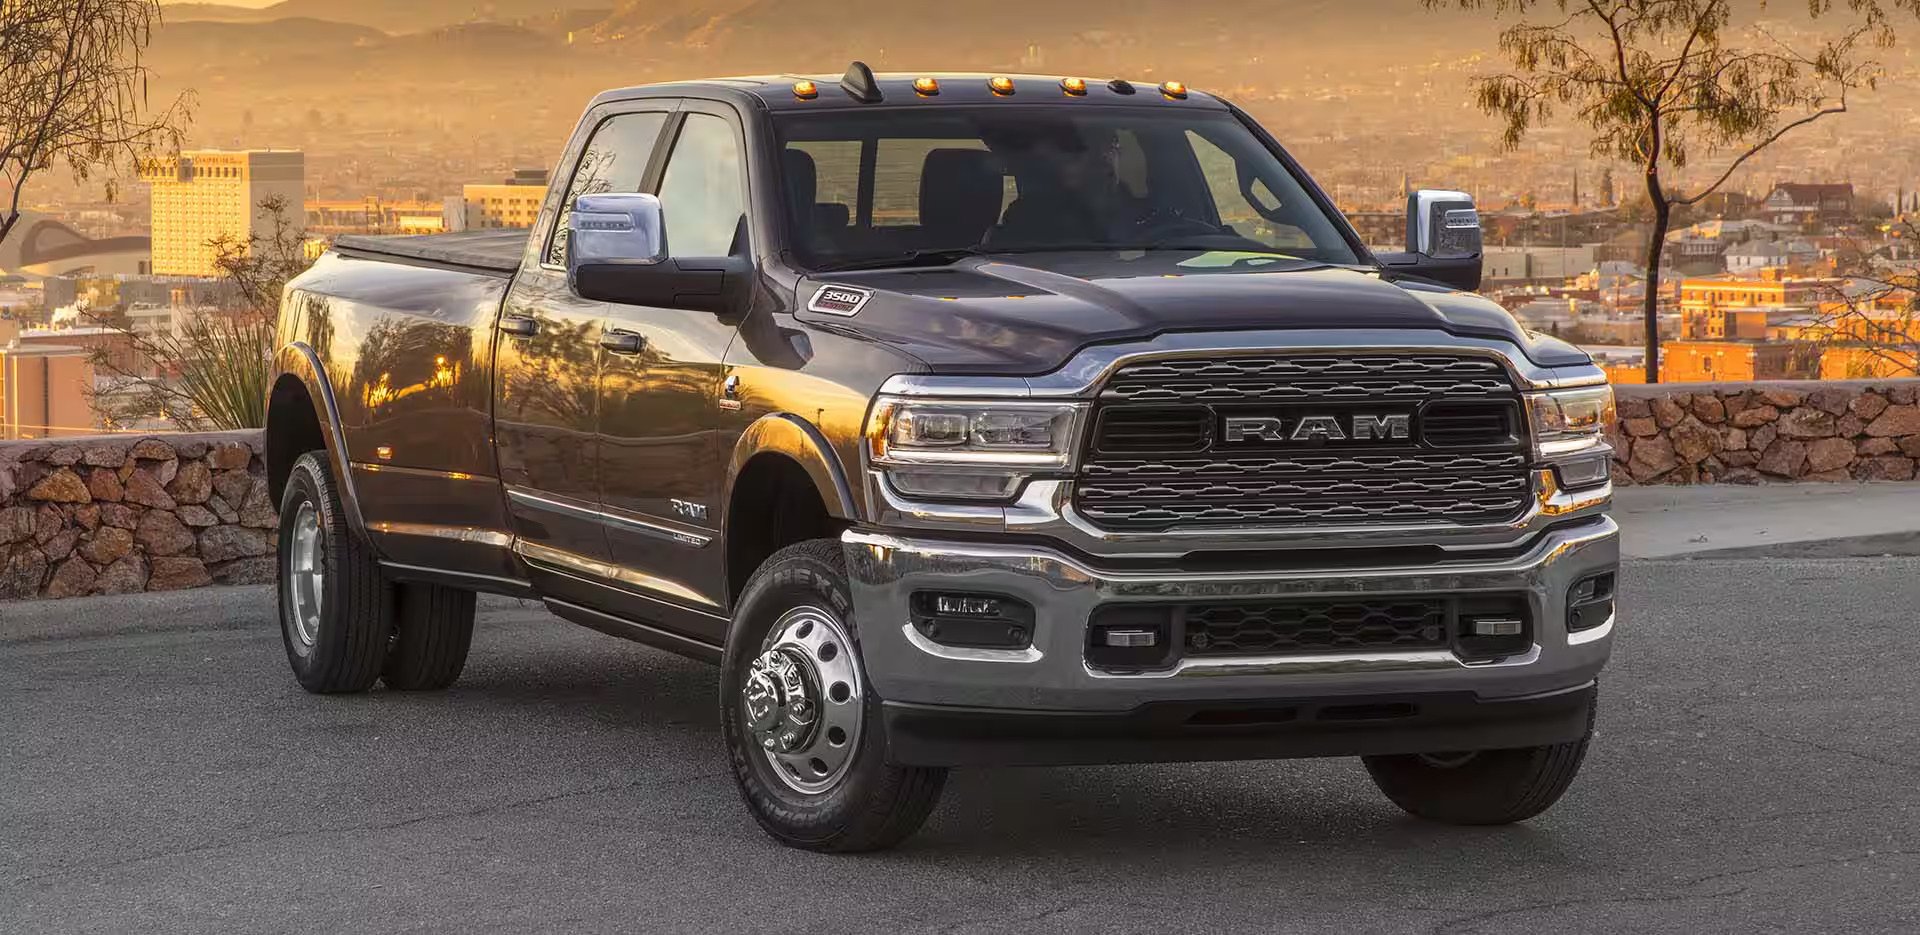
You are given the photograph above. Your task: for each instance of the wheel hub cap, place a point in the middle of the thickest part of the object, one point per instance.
(306, 575)
(801, 699)
(780, 705)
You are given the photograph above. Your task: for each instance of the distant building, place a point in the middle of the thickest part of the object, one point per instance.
(42, 246)
(514, 202)
(373, 216)
(1736, 361)
(1791, 203)
(200, 196)
(1535, 264)
(40, 392)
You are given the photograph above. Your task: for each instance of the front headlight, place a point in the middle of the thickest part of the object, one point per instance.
(969, 450)
(1569, 432)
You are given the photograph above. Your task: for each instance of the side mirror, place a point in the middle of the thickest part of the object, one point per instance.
(1443, 239)
(617, 252)
(615, 230)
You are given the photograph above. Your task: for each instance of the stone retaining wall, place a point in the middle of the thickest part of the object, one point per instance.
(1750, 433)
(115, 514)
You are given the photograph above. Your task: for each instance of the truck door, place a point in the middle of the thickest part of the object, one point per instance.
(661, 466)
(550, 361)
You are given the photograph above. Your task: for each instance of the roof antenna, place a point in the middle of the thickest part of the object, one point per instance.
(859, 83)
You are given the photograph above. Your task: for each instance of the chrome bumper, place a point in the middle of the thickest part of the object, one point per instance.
(905, 667)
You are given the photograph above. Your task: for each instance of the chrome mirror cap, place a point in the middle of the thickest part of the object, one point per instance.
(1443, 225)
(615, 230)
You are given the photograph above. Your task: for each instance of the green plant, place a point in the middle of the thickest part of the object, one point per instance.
(210, 369)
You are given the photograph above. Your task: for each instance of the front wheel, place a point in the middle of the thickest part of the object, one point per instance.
(336, 606)
(1484, 787)
(800, 720)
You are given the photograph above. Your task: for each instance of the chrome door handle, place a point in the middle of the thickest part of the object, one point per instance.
(519, 324)
(622, 342)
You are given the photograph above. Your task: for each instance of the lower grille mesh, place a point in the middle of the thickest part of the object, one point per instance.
(1315, 626)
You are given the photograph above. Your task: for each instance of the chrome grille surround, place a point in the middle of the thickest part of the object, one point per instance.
(1315, 483)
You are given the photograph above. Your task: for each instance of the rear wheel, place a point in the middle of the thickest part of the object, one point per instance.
(800, 720)
(336, 606)
(1483, 787)
(432, 632)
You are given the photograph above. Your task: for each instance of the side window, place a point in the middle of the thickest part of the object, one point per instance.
(615, 160)
(702, 193)
(1250, 211)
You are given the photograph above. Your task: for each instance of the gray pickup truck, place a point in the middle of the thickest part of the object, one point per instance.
(964, 420)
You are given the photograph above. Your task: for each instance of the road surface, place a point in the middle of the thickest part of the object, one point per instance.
(159, 771)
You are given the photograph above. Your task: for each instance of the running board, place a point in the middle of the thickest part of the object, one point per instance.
(637, 632)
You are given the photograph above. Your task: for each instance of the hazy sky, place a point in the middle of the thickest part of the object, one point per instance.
(251, 3)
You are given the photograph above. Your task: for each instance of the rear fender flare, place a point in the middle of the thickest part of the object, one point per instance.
(796, 438)
(299, 360)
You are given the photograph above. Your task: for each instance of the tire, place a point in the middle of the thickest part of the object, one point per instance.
(335, 626)
(1488, 787)
(432, 632)
(793, 609)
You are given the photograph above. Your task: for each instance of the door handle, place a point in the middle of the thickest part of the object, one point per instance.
(519, 324)
(622, 342)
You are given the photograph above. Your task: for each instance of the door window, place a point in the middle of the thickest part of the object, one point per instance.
(702, 194)
(615, 161)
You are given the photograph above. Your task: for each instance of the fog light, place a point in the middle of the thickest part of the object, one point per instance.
(970, 606)
(983, 621)
(1590, 602)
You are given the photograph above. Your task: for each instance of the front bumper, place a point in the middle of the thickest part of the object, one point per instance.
(917, 677)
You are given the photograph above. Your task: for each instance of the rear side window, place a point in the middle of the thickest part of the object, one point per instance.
(615, 160)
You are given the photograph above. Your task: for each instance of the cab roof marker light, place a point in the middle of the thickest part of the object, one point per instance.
(1120, 86)
(805, 90)
(926, 87)
(1076, 87)
(1176, 90)
(1002, 86)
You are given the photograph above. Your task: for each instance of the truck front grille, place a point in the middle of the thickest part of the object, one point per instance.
(1305, 440)
(1329, 626)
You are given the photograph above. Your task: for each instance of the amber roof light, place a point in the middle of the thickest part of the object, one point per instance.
(1074, 86)
(805, 90)
(1002, 86)
(1174, 89)
(926, 87)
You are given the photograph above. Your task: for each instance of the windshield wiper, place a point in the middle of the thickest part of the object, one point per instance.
(939, 257)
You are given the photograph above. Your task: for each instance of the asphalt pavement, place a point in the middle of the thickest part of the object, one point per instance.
(1759, 737)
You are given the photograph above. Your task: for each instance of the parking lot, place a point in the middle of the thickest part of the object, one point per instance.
(1755, 771)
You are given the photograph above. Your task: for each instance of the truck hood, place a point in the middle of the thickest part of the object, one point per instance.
(1028, 315)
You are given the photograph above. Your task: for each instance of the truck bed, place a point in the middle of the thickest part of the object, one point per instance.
(492, 251)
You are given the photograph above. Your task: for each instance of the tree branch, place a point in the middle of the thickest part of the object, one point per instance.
(1755, 149)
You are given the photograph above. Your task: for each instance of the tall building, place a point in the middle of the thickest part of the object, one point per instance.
(199, 196)
(514, 202)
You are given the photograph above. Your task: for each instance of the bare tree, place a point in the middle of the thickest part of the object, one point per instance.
(73, 91)
(1659, 82)
(210, 368)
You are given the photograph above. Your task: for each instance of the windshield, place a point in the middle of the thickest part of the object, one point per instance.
(892, 185)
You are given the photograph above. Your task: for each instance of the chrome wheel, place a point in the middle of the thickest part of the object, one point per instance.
(306, 573)
(802, 697)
